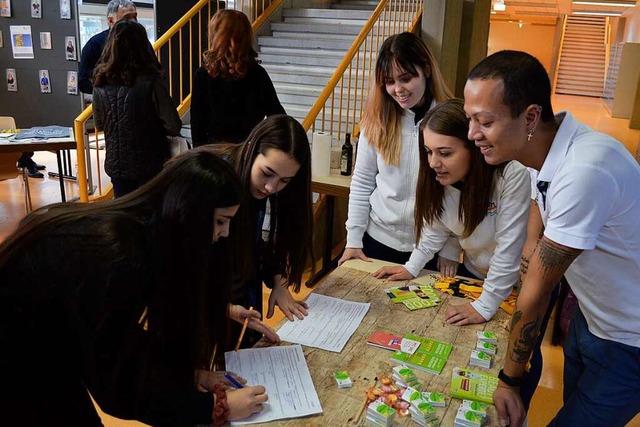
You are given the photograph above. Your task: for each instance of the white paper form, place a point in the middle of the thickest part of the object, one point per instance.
(329, 325)
(284, 373)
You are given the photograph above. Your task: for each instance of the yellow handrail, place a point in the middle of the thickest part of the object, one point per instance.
(185, 103)
(374, 27)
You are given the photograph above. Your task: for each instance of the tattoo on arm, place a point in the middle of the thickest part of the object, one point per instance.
(555, 258)
(526, 339)
(524, 267)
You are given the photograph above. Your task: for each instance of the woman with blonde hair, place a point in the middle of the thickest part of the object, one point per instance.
(231, 92)
(380, 222)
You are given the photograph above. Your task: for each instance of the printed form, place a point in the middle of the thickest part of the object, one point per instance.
(284, 373)
(329, 325)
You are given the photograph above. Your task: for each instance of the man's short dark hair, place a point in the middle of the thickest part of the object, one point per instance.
(526, 82)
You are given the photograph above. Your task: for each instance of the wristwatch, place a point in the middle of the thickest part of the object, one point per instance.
(510, 381)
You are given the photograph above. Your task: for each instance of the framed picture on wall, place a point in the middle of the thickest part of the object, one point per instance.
(5, 8)
(12, 80)
(65, 9)
(45, 40)
(45, 83)
(1, 39)
(36, 9)
(72, 82)
(70, 48)
(21, 41)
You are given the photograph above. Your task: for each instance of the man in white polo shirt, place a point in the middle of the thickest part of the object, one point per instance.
(588, 188)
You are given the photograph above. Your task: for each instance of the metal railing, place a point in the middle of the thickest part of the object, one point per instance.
(190, 33)
(342, 100)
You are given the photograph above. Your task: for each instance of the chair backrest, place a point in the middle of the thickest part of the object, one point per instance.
(8, 168)
(7, 122)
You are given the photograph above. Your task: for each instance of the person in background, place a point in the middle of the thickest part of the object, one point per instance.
(231, 92)
(587, 187)
(132, 105)
(380, 221)
(33, 168)
(90, 55)
(274, 164)
(484, 206)
(128, 299)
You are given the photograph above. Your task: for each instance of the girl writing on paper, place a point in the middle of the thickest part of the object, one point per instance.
(231, 93)
(132, 105)
(274, 165)
(126, 300)
(380, 222)
(486, 207)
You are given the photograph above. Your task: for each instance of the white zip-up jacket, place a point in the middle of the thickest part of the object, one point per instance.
(382, 196)
(494, 248)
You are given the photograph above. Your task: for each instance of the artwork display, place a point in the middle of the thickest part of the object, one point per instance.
(36, 9)
(1, 39)
(70, 48)
(45, 83)
(21, 41)
(45, 40)
(72, 82)
(65, 9)
(12, 80)
(5, 8)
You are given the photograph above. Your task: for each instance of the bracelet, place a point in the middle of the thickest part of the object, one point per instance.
(220, 406)
(510, 381)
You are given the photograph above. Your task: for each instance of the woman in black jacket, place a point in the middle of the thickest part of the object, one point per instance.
(231, 93)
(126, 299)
(133, 107)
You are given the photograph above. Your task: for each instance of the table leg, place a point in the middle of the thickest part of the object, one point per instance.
(328, 264)
(60, 176)
(65, 171)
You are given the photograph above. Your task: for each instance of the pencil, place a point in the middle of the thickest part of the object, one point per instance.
(244, 328)
(366, 400)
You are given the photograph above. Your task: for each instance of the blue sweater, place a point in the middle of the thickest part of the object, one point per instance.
(88, 60)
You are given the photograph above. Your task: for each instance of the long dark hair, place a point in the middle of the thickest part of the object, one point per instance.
(291, 227)
(187, 306)
(448, 118)
(126, 56)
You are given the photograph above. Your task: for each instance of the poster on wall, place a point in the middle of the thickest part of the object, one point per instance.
(70, 48)
(12, 80)
(1, 39)
(45, 83)
(65, 9)
(5, 8)
(36, 9)
(45, 40)
(72, 82)
(21, 41)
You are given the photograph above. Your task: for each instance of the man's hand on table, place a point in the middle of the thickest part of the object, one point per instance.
(463, 314)
(396, 272)
(351, 253)
(239, 314)
(509, 405)
(447, 267)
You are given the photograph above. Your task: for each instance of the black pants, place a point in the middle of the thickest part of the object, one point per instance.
(374, 249)
(25, 160)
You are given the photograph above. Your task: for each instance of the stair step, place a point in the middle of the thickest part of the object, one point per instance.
(316, 28)
(325, 53)
(306, 60)
(325, 21)
(305, 43)
(327, 13)
(305, 35)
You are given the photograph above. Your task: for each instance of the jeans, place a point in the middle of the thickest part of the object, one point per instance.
(374, 249)
(601, 380)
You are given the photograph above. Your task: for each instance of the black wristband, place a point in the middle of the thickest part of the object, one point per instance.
(510, 381)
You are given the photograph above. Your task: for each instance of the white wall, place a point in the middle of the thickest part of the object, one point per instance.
(632, 27)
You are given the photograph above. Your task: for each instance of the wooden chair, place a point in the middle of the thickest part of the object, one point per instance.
(8, 164)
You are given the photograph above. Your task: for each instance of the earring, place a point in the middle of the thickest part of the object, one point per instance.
(530, 134)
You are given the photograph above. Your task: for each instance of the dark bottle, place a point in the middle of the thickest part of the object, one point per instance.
(346, 158)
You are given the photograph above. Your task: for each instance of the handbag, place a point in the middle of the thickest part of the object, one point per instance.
(178, 144)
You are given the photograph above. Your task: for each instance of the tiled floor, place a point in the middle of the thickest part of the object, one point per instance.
(548, 397)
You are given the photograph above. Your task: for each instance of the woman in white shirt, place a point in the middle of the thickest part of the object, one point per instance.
(486, 207)
(408, 82)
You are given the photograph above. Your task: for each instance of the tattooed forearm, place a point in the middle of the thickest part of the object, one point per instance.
(555, 258)
(524, 267)
(525, 340)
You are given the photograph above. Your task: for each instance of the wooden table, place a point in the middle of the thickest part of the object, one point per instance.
(335, 185)
(363, 362)
(50, 144)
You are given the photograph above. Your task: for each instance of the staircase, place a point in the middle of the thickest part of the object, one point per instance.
(304, 50)
(582, 60)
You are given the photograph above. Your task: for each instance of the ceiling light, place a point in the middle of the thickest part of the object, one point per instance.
(600, 3)
(520, 23)
(499, 6)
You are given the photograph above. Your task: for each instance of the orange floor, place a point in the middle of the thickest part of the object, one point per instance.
(548, 397)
